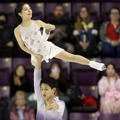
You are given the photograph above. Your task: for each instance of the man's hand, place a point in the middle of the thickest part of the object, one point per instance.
(37, 64)
(54, 106)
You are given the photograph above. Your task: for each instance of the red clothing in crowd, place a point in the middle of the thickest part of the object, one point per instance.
(111, 32)
(29, 113)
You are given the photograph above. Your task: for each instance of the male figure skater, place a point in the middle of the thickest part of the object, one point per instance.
(49, 107)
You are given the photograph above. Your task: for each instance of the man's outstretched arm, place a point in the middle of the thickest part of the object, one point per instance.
(37, 80)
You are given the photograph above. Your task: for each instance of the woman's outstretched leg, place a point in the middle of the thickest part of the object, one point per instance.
(68, 57)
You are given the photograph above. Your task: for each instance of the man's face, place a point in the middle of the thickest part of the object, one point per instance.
(47, 92)
(114, 15)
(59, 12)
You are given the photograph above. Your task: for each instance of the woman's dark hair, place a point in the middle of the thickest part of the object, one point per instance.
(18, 9)
(115, 9)
(24, 79)
(50, 81)
(114, 66)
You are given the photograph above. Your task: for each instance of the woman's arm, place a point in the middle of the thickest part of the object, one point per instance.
(45, 25)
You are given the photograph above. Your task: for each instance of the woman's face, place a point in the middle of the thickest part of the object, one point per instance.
(20, 72)
(83, 13)
(26, 12)
(110, 71)
(114, 15)
(55, 68)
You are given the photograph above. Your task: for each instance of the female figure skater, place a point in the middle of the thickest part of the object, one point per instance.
(33, 42)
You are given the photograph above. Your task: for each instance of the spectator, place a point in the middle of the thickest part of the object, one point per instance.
(56, 73)
(3, 111)
(62, 36)
(109, 90)
(7, 39)
(21, 111)
(20, 80)
(86, 32)
(110, 35)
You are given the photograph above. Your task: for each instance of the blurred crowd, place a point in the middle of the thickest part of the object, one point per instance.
(84, 36)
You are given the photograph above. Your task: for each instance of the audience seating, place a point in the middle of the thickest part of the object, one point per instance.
(83, 116)
(6, 63)
(105, 8)
(109, 117)
(83, 76)
(5, 95)
(90, 90)
(38, 10)
(9, 9)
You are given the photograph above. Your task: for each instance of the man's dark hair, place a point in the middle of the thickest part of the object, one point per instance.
(50, 81)
(114, 8)
(60, 6)
(4, 14)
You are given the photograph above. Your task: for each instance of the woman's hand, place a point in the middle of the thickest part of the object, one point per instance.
(116, 76)
(82, 45)
(38, 56)
(114, 43)
(50, 27)
(17, 81)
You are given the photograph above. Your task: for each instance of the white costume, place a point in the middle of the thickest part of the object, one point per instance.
(37, 42)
